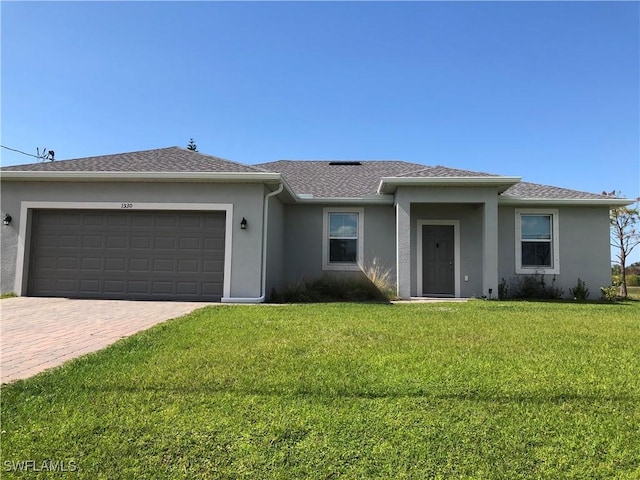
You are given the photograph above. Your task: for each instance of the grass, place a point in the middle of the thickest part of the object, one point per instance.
(7, 295)
(484, 390)
(634, 293)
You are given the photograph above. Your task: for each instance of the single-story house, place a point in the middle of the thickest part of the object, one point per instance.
(174, 224)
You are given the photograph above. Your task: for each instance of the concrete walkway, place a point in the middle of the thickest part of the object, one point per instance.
(41, 333)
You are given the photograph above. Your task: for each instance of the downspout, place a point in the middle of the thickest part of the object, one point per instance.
(265, 232)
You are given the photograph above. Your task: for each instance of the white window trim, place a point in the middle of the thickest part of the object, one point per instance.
(26, 207)
(555, 241)
(355, 267)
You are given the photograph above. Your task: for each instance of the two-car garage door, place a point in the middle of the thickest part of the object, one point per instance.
(154, 255)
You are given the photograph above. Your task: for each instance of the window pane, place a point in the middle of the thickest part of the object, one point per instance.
(343, 251)
(343, 225)
(536, 254)
(536, 227)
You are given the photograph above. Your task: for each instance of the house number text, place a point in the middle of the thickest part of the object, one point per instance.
(126, 205)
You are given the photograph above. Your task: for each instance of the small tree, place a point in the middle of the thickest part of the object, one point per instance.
(192, 145)
(625, 235)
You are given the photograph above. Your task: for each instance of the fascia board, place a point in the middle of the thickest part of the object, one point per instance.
(370, 200)
(257, 177)
(389, 184)
(610, 202)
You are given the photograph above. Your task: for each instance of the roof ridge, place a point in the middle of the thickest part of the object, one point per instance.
(215, 157)
(427, 167)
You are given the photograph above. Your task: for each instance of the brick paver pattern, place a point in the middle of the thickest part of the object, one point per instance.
(41, 333)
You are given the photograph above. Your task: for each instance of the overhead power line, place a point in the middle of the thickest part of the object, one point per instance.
(46, 155)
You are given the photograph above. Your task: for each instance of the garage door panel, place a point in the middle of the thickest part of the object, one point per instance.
(165, 243)
(162, 288)
(188, 266)
(138, 287)
(92, 241)
(66, 285)
(114, 286)
(97, 220)
(162, 265)
(141, 242)
(137, 255)
(186, 288)
(67, 263)
(116, 241)
(166, 221)
(213, 266)
(68, 241)
(117, 220)
(90, 286)
(45, 263)
(139, 265)
(91, 264)
(209, 288)
(115, 264)
(189, 221)
(142, 221)
(213, 244)
(46, 241)
(190, 243)
(69, 219)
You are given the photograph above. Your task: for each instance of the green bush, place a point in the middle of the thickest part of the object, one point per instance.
(610, 293)
(503, 290)
(331, 289)
(580, 292)
(530, 287)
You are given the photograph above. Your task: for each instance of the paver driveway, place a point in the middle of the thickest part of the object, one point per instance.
(40, 333)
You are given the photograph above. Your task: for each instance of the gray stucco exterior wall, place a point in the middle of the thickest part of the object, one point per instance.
(275, 246)
(487, 249)
(303, 241)
(584, 250)
(471, 259)
(246, 201)
(483, 198)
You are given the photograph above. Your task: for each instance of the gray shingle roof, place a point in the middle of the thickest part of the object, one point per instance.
(171, 159)
(326, 179)
(321, 179)
(440, 171)
(546, 192)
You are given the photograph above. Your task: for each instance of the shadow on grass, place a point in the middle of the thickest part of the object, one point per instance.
(623, 302)
(341, 395)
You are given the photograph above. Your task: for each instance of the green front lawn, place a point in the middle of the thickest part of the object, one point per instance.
(448, 390)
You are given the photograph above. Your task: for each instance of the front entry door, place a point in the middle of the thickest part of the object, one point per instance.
(438, 260)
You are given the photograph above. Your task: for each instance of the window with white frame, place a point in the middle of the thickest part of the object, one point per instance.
(537, 242)
(342, 238)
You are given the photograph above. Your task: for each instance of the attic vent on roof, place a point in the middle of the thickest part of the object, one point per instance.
(345, 163)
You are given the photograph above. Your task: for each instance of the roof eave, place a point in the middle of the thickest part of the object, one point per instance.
(388, 185)
(78, 176)
(366, 200)
(583, 202)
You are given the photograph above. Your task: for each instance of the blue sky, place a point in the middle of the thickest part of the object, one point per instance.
(545, 90)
